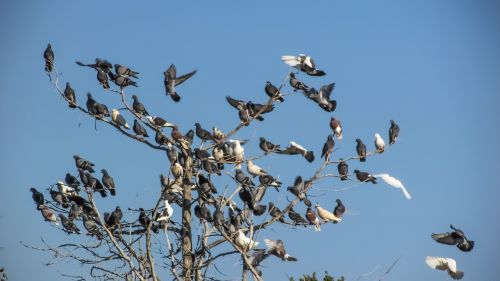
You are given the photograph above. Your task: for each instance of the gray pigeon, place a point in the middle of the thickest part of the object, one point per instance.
(108, 182)
(456, 237)
(139, 130)
(322, 98)
(69, 225)
(100, 64)
(125, 71)
(122, 81)
(91, 226)
(102, 77)
(328, 148)
(83, 164)
(277, 248)
(138, 107)
(69, 94)
(171, 80)
(298, 190)
(48, 55)
(203, 134)
(297, 85)
(295, 148)
(361, 149)
(268, 146)
(393, 132)
(37, 197)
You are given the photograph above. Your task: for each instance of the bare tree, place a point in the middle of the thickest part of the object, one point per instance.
(132, 250)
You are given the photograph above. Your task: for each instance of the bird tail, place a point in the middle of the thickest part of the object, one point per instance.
(362, 159)
(307, 202)
(316, 73)
(317, 227)
(103, 193)
(48, 66)
(175, 97)
(309, 156)
(339, 136)
(112, 191)
(126, 126)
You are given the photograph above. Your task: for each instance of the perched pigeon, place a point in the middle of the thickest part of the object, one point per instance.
(297, 85)
(365, 177)
(69, 94)
(295, 148)
(336, 127)
(255, 170)
(339, 209)
(65, 189)
(171, 80)
(393, 132)
(267, 146)
(297, 218)
(313, 219)
(91, 226)
(75, 211)
(83, 164)
(118, 119)
(69, 225)
(322, 98)
(203, 134)
(218, 134)
(343, 169)
(277, 248)
(268, 180)
(102, 77)
(392, 181)
(114, 218)
(327, 216)
(446, 264)
(275, 212)
(138, 107)
(122, 81)
(158, 122)
(255, 110)
(244, 115)
(202, 212)
(47, 214)
(379, 143)
(361, 150)
(328, 148)
(71, 181)
(48, 55)
(125, 71)
(167, 212)
(37, 197)
(298, 190)
(303, 63)
(91, 104)
(108, 182)
(273, 92)
(238, 150)
(59, 198)
(95, 184)
(243, 242)
(144, 220)
(139, 130)
(456, 237)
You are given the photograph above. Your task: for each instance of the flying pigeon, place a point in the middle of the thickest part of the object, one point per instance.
(275, 212)
(118, 119)
(255, 259)
(327, 216)
(69, 225)
(125, 71)
(379, 143)
(361, 150)
(295, 148)
(203, 134)
(313, 219)
(100, 64)
(171, 80)
(456, 237)
(47, 214)
(392, 181)
(243, 242)
(255, 170)
(343, 169)
(158, 122)
(108, 182)
(297, 85)
(59, 198)
(447, 264)
(303, 63)
(267, 146)
(138, 107)
(48, 55)
(296, 217)
(298, 190)
(393, 132)
(365, 177)
(37, 197)
(102, 77)
(339, 209)
(139, 130)
(336, 127)
(277, 248)
(328, 148)
(83, 164)
(69, 94)
(322, 98)
(91, 226)
(273, 92)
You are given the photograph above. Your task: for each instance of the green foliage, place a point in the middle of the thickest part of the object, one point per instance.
(313, 277)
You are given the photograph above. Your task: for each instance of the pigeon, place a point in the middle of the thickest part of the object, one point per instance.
(322, 98)
(393, 132)
(48, 55)
(171, 80)
(243, 242)
(256, 110)
(273, 92)
(295, 148)
(218, 217)
(65, 189)
(275, 212)
(202, 212)
(339, 209)
(102, 77)
(169, 185)
(379, 143)
(243, 179)
(91, 226)
(122, 81)
(91, 104)
(201, 154)
(247, 197)
(343, 169)
(176, 169)
(259, 210)
(95, 184)
(447, 264)
(179, 137)
(255, 170)
(82, 204)
(47, 214)
(114, 218)
(235, 103)
(303, 63)
(139, 130)
(336, 127)
(244, 115)
(365, 177)
(313, 219)
(75, 211)
(83, 164)
(167, 212)
(118, 119)
(255, 259)
(268, 180)
(138, 107)
(59, 198)
(100, 64)
(297, 85)
(361, 150)
(161, 139)
(328, 148)
(37, 197)
(71, 181)
(277, 248)
(158, 122)
(69, 94)
(298, 190)
(392, 181)
(203, 134)
(327, 216)
(189, 136)
(456, 237)
(108, 182)
(69, 225)
(267, 146)
(125, 71)
(238, 150)
(296, 217)
(218, 134)
(101, 110)
(144, 220)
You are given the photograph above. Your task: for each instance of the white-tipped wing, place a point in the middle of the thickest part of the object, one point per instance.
(392, 181)
(270, 244)
(290, 60)
(448, 264)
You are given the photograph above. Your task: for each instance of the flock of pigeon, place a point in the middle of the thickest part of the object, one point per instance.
(209, 207)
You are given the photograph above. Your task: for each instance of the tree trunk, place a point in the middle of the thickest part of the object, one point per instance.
(187, 255)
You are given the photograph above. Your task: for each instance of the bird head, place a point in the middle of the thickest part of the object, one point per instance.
(377, 135)
(104, 171)
(89, 95)
(358, 140)
(76, 157)
(134, 97)
(356, 171)
(33, 190)
(338, 201)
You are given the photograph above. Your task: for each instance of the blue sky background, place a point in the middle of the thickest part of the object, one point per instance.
(433, 66)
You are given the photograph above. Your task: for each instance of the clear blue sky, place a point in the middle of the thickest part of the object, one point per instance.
(433, 66)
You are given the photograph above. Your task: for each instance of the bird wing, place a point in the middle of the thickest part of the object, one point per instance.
(290, 60)
(325, 91)
(291, 150)
(392, 181)
(181, 79)
(234, 102)
(437, 262)
(444, 238)
(270, 244)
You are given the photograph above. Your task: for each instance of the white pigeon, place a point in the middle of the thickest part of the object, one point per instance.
(394, 182)
(118, 119)
(65, 189)
(244, 242)
(448, 264)
(379, 143)
(255, 170)
(238, 150)
(167, 212)
(297, 61)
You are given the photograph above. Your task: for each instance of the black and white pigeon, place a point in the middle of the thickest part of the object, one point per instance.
(138, 107)
(69, 94)
(297, 85)
(298, 190)
(393, 132)
(48, 55)
(322, 98)
(303, 63)
(37, 197)
(361, 150)
(295, 148)
(273, 92)
(125, 71)
(201, 133)
(139, 130)
(268, 146)
(91, 226)
(68, 225)
(118, 119)
(158, 122)
(343, 169)
(100, 64)
(277, 248)
(328, 148)
(365, 177)
(456, 237)
(108, 182)
(83, 164)
(171, 80)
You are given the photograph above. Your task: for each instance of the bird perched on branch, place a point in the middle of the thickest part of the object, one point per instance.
(298, 190)
(328, 148)
(69, 94)
(268, 180)
(255, 170)
(303, 63)
(297, 85)
(91, 225)
(361, 150)
(313, 219)
(365, 177)
(158, 122)
(268, 146)
(139, 130)
(273, 92)
(244, 242)
(100, 64)
(201, 133)
(296, 217)
(48, 55)
(339, 209)
(277, 248)
(322, 98)
(59, 198)
(66, 189)
(47, 214)
(393, 132)
(125, 71)
(108, 182)
(343, 169)
(336, 127)
(446, 264)
(83, 164)
(275, 212)
(327, 216)
(456, 237)
(69, 225)
(37, 197)
(138, 107)
(295, 148)
(379, 143)
(171, 80)
(118, 119)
